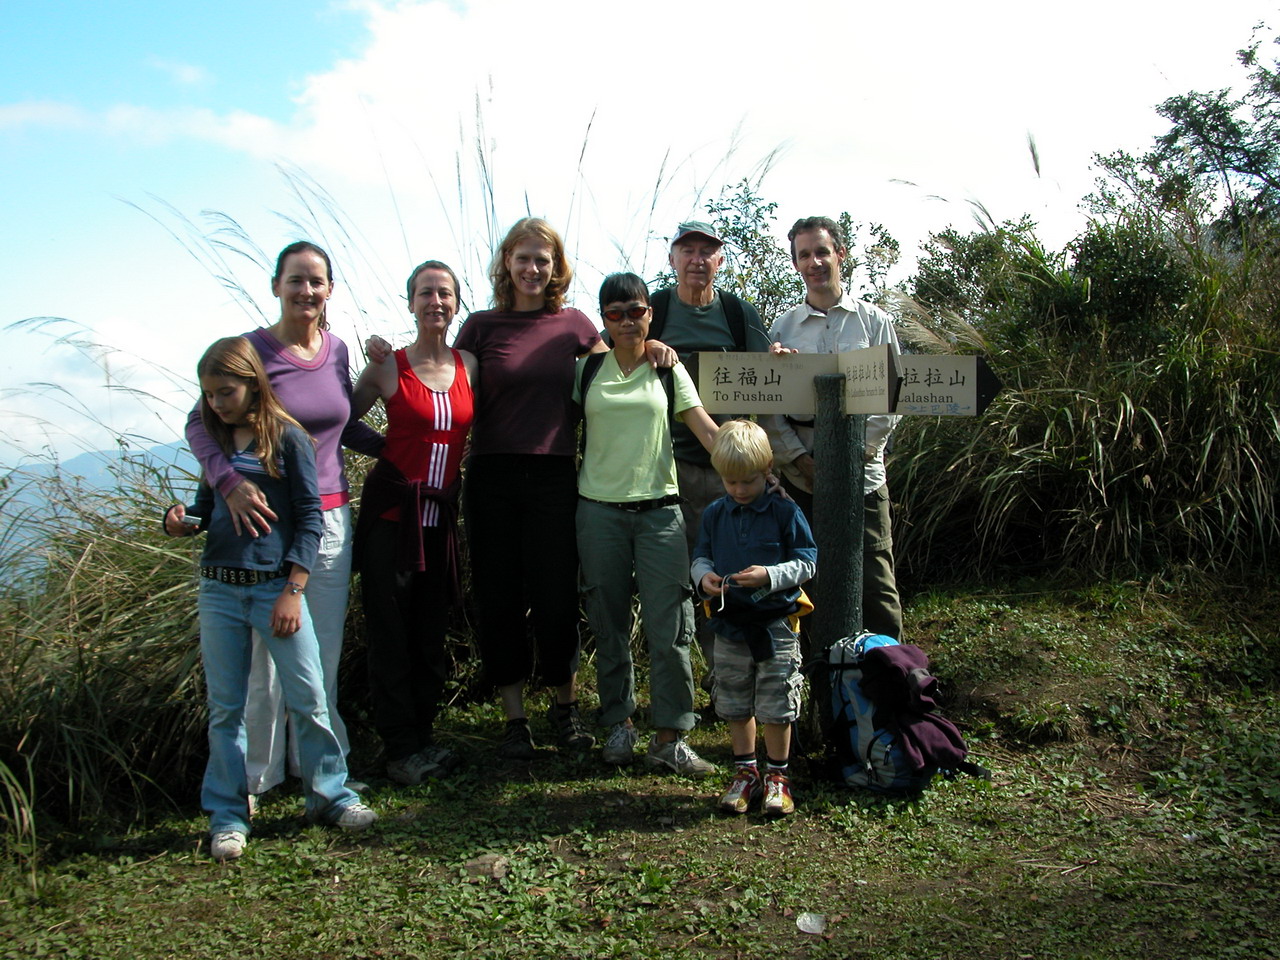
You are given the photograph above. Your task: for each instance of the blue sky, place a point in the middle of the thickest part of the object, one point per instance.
(121, 123)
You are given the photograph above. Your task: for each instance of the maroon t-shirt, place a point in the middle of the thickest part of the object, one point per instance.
(525, 397)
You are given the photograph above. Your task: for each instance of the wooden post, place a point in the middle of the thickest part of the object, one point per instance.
(839, 441)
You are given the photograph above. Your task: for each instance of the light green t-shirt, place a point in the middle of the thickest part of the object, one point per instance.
(628, 455)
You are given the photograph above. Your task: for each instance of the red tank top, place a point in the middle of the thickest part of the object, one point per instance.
(427, 430)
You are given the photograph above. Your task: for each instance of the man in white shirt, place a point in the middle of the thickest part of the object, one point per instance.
(831, 321)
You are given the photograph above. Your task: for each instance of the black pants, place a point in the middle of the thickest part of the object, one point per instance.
(520, 512)
(406, 616)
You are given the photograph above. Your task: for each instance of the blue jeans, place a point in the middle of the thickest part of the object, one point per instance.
(228, 616)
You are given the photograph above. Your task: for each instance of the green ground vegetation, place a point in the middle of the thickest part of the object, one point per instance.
(1134, 812)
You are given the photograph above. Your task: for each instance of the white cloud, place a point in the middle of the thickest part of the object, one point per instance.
(183, 74)
(42, 113)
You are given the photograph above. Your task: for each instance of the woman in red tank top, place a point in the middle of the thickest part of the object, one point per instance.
(406, 546)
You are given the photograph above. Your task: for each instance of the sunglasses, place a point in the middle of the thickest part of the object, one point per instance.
(633, 312)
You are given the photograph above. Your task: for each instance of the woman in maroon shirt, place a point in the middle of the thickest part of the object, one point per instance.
(521, 491)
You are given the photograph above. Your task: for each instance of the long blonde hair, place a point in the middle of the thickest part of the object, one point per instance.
(236, 357)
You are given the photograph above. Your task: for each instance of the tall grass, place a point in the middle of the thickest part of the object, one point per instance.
(1137, 429)
(99, 669)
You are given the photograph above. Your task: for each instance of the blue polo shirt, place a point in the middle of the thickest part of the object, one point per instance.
(771, 532)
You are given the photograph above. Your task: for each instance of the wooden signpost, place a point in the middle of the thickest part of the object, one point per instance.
(839, 391)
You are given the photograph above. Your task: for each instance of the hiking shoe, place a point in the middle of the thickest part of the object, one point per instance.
(777, 795)
(356, 786)
(744, 791)
(620, 748)
(354, 817)
(227, 845)
(416, 767)
(678, 757)
(517, 742)
(442, 757)
(571, 733)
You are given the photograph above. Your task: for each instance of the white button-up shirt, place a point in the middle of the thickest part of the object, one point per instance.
(849, 325)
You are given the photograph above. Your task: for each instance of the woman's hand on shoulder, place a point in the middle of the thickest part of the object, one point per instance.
(659, 354)
(249, 509)
(773, 484)
(377, 349)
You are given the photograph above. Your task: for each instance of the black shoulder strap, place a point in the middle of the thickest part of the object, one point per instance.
(667, 376)
(589, 370)
(737, 320)
(660, 303)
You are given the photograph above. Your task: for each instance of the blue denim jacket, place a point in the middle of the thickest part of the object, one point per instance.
(295, 498)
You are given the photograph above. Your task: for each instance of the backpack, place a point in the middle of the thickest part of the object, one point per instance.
(885, 733)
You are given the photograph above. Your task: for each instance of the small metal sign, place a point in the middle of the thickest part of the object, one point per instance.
(871, 379)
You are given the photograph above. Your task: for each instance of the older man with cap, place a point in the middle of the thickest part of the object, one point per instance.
(831, 321)
(692, 317)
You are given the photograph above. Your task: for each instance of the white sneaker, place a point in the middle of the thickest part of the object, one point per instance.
(620, 748)
(227, 845)
(355, 816)
(678, 757)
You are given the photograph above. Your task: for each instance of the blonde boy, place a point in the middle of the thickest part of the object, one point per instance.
(754, 550)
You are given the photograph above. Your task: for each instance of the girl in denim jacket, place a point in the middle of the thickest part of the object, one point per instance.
(259, 583)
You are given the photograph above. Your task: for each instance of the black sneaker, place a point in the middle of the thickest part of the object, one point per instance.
(517, 741)
(571, 733)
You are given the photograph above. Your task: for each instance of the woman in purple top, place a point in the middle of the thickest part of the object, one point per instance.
(308, 368)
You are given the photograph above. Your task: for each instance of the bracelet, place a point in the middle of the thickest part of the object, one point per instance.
(295, 588)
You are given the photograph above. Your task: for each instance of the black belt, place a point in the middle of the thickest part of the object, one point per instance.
(239, 576)
(798, 423)
(640, 506)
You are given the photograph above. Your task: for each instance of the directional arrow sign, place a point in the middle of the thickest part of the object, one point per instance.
(946, 386)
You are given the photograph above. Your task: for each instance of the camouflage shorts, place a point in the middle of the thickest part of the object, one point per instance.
(769, 690)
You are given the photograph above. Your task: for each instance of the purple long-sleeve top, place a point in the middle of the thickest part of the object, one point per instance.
(317, 393)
